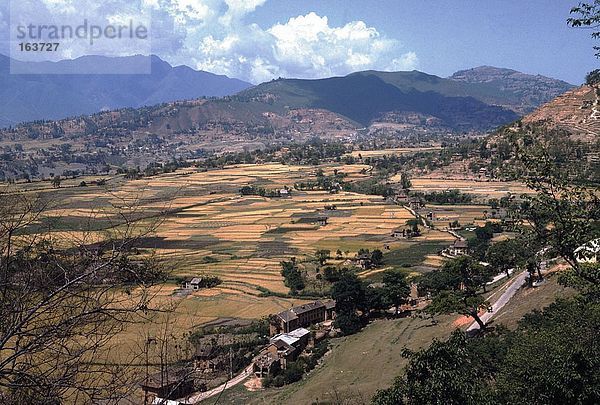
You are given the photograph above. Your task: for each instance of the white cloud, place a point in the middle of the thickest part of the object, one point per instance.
(304, 46)
(219, 36)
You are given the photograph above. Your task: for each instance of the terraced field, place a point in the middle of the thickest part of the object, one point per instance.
(482, 189)
(207, 228)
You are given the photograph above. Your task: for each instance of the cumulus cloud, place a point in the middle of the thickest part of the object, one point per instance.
(305, 46)
(219, 36)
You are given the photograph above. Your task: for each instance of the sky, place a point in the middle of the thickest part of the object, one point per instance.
(257, 40)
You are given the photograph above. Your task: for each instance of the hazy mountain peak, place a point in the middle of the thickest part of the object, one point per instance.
(69, 93)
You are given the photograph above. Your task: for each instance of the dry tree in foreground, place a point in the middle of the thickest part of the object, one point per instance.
(63, 297)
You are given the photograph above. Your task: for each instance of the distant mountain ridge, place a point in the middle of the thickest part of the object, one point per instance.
(404, 101)
(32, 97)
(523, 92)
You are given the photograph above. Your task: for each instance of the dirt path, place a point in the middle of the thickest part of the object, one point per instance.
(201, 396)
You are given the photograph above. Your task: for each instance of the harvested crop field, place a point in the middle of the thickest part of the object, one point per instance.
(483, 190)
(205, 227)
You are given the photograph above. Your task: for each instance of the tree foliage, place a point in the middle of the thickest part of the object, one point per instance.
(587, 15)
(62, 300)
(396, 289)
(350, 296)
(455, 288)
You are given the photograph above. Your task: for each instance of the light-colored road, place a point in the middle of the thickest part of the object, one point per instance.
(510, 290)
(201, 396)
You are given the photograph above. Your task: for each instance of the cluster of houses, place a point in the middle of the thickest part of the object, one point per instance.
(290, 336)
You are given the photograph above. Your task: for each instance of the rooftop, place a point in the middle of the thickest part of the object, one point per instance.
(299, 333)
(285, 338)
(460, 243)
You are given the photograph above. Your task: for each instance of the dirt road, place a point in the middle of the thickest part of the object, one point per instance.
(200, 396)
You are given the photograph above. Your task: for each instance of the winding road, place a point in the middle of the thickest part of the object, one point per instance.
(511, 288)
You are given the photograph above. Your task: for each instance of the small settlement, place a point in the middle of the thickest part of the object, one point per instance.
(291, 333)
(289, 336)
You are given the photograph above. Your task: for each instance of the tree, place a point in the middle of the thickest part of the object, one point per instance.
(377, 257)
(553, 357)
(508, 254)
(376, 299)
(62, 301)
(444, 373)
(56, 181)
(323, 255)
(593, 78)
(350, 296)
(292, 276)
(564, 213)
(587, 15)
(396, 289)
(455, 288)
(405, 181)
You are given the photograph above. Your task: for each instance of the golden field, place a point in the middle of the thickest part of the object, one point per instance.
(205, 227)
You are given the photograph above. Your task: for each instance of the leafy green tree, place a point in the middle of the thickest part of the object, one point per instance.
(564, 213)
(593, 78)
(587, 15)
(56, 180)
(396, 289)
(405, 181)
(377, 257)
(455, 288)
(350, 296)
(444, 373)
(323, 255)
(508, 254)
(376, 299)
(292, 276)
(553, 358)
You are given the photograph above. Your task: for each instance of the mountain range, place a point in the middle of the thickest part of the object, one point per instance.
(29, 97)
(478, 100)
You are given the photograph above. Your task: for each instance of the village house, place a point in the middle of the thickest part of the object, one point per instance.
(415, 203)
(193, 284)
(401, 196)
(283, 348)
(458, 248)
(364, 261)
(168, 384)
(268, 362)
(399, 233)
(298, 338)
(301, 316)
(404, 233)
(329, 310)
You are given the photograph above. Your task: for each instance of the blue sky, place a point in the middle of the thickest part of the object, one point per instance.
(448, 35)
(257, 40)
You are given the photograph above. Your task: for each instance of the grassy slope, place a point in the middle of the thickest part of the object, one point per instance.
(357, 366)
